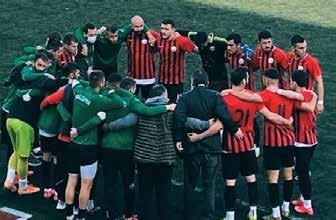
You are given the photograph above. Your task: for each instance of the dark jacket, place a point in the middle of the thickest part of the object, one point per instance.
(29, 110)
(154, 142)
(203, 104)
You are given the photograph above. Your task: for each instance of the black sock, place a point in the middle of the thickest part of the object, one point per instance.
(305, 184)
(287, 190)
(230, 198)
(46, 174)
(253, 193)
(273, 191)
(69, 209)
(81, 213)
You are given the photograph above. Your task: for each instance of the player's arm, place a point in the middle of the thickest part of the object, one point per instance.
(212, 130)
(53, 98)
(308, 106)
(142, 109)
(113, 101)
(180, 118)
(127, 121)
(197, 124)
(275, 118)
(243, 95)
(28, 74)
(320, 91)
(187, 45)
(290, 94)
(91, 123)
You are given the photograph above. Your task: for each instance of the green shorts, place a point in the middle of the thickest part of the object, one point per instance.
(21, 135)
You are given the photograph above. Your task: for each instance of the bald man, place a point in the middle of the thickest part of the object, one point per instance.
(140, 45)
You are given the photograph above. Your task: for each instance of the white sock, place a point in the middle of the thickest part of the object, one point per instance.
(307, 204)
(23, 183)
(253, 211)
(10, 175)
(229, 215)
(90, 204)
(276, 212)
(285, 206)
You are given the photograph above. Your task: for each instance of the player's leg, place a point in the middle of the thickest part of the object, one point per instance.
(73, 173)
(191, 166)
(12, 162)
(210, 164)
(249, 169)
(303, 157)
(287, 157)
(272, 164)
(230, 171)
(88, 173)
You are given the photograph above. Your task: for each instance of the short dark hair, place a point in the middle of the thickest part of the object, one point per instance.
(41, 56)
(111, 29)
(157, 90)
(127, 83)
(169, 21)
(272, 73)
(297, 39)
(300, 77)
(69, 68)
(47, 53)
(96, 77)
(88, 26)
(264, 35)
(114, 78)
(54, 41)
(235, 37)
(199, 77)
(238, 75)
(68, 38)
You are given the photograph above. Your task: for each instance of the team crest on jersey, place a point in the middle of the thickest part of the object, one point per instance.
(144, 41)
(173, 49)
(270, 60)
(212, 48)
(300, 67)
(241, 61)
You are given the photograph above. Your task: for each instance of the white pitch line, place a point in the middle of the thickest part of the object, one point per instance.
(22, 215)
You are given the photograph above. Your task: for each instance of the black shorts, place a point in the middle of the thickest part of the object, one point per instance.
(174, 90)
(49, 144)
(80, 155)
(303, 156)
(245, 163)
(277, 157)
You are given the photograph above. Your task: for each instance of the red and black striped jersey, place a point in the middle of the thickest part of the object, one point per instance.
(278, 135)
(140, 56)
(243, 113)
(172, 58)
(63, 57)
(305, 122)
(276, 58)
(239, 60)
(306, 63)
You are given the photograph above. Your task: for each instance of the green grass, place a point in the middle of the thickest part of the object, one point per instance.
(28, 22)
(316, 12)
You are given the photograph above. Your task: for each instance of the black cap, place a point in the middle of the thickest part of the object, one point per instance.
(238, 75)
(300, 77)
(272, 74)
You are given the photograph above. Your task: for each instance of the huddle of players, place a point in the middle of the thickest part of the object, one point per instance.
(99, 49)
